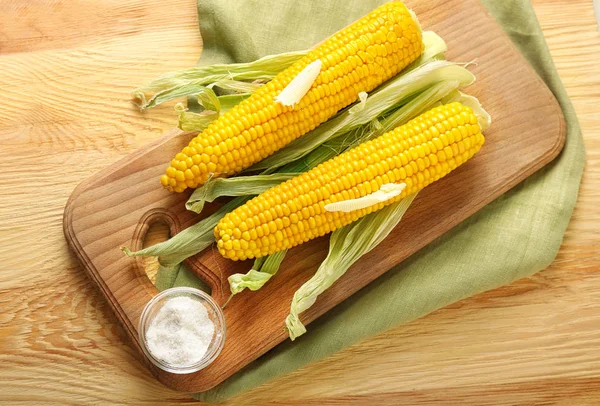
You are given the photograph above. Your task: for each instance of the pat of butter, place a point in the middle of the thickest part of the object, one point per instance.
(386, 192)
(300, 85)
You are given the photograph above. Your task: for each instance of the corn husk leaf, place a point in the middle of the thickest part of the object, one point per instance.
(209, 100)
(166, 275)
(237, 186)
(434, 47)
(178, 275)
(262, 270)
(190, 121)
(418, 105)
(212, 104)
(188, 242)
(346, 246)
(188, 82)
(228, 101)
(236, 85)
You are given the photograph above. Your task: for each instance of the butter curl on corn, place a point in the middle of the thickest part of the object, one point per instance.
(416, 154)
(356, 59)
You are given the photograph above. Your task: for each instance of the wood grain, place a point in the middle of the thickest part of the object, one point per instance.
(59, 343)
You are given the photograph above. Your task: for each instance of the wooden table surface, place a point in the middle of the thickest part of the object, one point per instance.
(66, 69)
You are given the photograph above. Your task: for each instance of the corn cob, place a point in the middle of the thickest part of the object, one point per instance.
(416, 154)
(356, 59)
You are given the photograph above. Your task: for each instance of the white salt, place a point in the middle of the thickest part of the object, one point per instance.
(181, 332)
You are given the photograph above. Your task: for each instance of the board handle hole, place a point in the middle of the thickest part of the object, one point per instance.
(158, 231)
(156, 226)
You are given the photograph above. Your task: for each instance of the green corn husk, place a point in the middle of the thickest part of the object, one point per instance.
(433, 48)
(190, 121)
(213, 106)
(166, 275)
(346, 246)
(209, 100)
(177, 275)
(236, 85)
(188, 242)
(189, 82)
(228, 101)
(262, 270)
(237, 186)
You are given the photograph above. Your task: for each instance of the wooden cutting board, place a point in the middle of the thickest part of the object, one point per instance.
(115, 207)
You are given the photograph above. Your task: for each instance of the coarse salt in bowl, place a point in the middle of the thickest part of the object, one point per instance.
(182, 330)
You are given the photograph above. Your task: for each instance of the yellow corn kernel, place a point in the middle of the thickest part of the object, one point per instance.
(356, 59)
(338, 179)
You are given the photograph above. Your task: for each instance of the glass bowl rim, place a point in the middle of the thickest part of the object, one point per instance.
(212, 353)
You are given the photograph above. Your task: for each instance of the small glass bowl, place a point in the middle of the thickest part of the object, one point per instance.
(215, 313)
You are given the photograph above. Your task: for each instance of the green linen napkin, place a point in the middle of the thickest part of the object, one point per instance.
(513, 237)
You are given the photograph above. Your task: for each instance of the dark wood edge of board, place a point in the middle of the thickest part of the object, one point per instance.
(558, 112)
